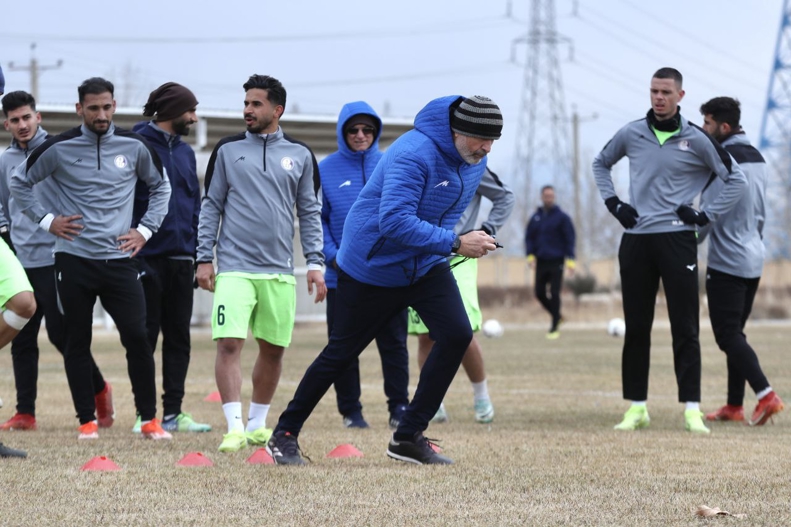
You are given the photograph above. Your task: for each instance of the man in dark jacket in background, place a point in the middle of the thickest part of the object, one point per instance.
(549, 244)
(167, 261)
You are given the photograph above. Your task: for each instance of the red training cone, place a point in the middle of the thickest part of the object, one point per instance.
(346, 450)
(261, 457)
(195, 459)
(213, 397)
(100, 463)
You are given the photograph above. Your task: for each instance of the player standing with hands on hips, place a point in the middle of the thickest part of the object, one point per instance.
(670, 162)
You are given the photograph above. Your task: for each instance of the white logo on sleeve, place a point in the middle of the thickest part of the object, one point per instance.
(347, 183)
(120, 161)
(287, 163)
(443, 184)
(691, 267)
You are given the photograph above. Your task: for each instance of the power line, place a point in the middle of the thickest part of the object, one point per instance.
(447, 27)
(691, 36)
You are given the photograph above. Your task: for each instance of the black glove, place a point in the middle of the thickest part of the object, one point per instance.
(5, 234)
(691, 216)
(623, 212)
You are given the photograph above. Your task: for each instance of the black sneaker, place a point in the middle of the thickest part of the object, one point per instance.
(396, 415)
(418, 451)
(284, 449)
(355, 420)
(10, 452)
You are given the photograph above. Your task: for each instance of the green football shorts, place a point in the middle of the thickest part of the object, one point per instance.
(264, 304)
(466, 274)
(13, 279)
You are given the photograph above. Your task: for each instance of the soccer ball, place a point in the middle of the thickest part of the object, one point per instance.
(493, 329)
(616, 327)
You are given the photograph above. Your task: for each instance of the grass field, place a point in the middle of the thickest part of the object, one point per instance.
(550, 457)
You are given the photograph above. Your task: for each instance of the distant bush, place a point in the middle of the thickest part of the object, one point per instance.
(581, 284)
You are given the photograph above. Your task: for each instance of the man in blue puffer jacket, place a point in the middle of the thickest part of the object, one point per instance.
(167, 261)
(343, 175)
(394, 254)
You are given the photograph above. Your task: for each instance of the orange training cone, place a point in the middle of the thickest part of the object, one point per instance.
(345, 450)
(195, 459)
(261, 457)
(100, 463)
(213, 397)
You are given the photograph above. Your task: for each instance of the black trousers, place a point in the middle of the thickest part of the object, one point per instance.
(24, 347)
(361, 312)
(169, 292)
(550, 272)
(394, 355)
(116, 283)
(730, 302)
(644, 259)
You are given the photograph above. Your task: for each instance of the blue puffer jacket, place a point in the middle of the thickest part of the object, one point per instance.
(178, 234)
(550, 235)
(402, 223)
(343, 175)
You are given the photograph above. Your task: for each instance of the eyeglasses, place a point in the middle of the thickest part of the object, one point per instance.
(367, 130)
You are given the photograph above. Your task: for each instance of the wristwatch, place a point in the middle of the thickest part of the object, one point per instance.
(456, 245)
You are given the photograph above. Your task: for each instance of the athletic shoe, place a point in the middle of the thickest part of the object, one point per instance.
(635, 418)
(105, 413)
(284, 449)
(553, 335)
(484, 411)
(11, 452)
(768, 406)
(418, 451)
(19, 422)
(153, 430)
(233, 441)
(727, 413)
(355, 420)
(396, 415)
(138, 425)
(259, 437)
(89, 430)
(184, 422)
(693, 422)
(441, 416)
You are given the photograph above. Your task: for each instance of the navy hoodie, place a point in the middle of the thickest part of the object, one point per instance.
(550, 235)
(178, 234)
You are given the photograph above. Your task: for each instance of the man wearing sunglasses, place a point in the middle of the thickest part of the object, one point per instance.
(343, 175)
(394, 254)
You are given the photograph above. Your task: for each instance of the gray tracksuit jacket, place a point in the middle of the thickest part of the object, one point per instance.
(34, 247)
(94, 176)
(253, 182)
(502, 199)
(663, 177)
(736, 242)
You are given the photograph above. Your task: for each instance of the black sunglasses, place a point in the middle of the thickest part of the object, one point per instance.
(367, 130)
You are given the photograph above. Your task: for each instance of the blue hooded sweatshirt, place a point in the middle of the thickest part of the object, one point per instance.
(343, 175)
(402, 223)
(178, 234)
(550, 235)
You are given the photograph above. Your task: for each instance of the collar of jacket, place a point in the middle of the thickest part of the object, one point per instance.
(667, 125)
(260, 138)
(94, 137)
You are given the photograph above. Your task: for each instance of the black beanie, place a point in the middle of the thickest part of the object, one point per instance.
(169, 101)
(477, 116)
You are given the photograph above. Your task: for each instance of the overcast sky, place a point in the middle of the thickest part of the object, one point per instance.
(400, 55)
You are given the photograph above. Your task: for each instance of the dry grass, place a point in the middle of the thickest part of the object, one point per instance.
(550, 458)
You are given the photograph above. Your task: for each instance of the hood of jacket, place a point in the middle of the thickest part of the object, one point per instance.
(348, 111)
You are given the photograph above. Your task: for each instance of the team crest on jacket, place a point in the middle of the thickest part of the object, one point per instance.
(683, 145)
(120, 161)
(287, 163)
